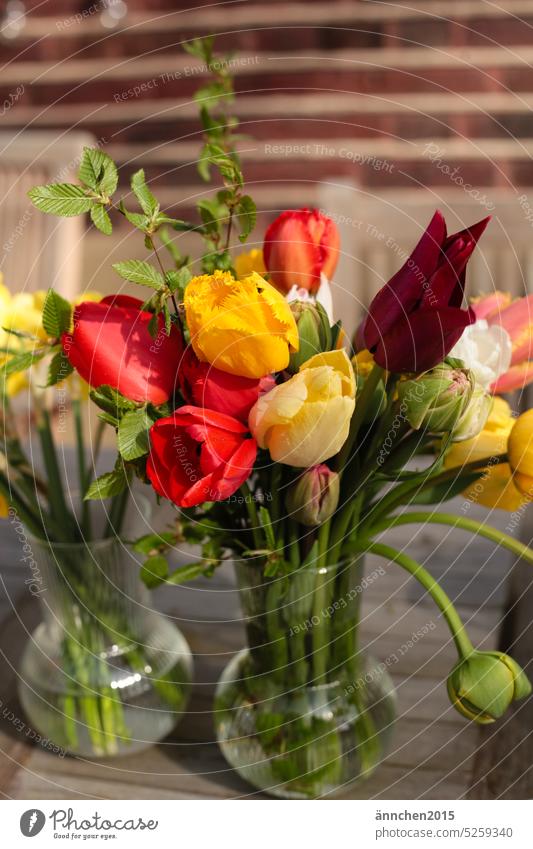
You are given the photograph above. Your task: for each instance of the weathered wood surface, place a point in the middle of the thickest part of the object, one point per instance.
(434, 749)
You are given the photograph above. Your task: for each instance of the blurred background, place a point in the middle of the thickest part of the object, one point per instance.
(376, 112)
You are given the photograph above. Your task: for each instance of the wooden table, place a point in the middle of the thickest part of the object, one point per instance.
(436, 754)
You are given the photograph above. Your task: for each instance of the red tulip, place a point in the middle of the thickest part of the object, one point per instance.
(204, 385)
(416, 318)
(199, 455)
(111, 344)
(299, 246)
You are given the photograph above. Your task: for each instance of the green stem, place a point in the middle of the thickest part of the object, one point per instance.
(252, 514)
(82, 471)
(471, 525)
(24, 511)
(441, 599)
(320, 631)
(58, 504)
(357, 419)
(400, 493)
(117, 512)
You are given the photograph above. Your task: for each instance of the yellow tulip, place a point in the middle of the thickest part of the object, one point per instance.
(306, 420)
(243, 327)
(246, 264)
(497, 486)
(4, 507)
(363, 363)
(520, 451)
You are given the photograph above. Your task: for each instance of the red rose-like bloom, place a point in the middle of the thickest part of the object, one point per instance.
(199, 455)
(416, 318)
(299, 245)
(111, 344)
(204, 385)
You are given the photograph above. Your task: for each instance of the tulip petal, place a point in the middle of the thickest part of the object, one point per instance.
(517, 319)
(404, 290)
(422, 340)
(487, 306)
(517, 377)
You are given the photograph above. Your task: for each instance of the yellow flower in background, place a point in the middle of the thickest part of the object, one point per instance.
(520, 451)
(306, 420)
(363, 363)
(243, 327)
(497, 487)
(246, 264)
(4, 507)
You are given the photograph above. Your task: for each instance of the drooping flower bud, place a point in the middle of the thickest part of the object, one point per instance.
(313, 330)
(483, 685)
(437, 399)
(475, 415)
(314, 496)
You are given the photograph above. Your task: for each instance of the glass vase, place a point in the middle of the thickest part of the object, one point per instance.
(103, 674)
(303, 712)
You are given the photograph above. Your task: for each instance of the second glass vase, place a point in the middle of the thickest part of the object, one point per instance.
(303, 712)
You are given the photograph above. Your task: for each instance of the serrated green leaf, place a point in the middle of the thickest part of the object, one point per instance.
(98, 171)
(147, 201)
(57, 314)
(141, 272)
(177, 280)
(101, 219)
(108, 484)
(201, 47)
(63, 199)
(213, 92)
(154, 571)
(138, 220)
(246, 216)
(111, 401)
(133, 434)
(59, 369)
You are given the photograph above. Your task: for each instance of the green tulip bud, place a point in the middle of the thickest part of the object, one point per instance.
(314, 332)
(474, 417)
(437, 399)
(314, 496)
(484, 684)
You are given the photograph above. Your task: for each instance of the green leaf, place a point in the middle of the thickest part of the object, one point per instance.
(111, 401)
(266, 524)
(57, 314)
(201, 48)
(133, 430)
(444, 491)
(187, 573)
(138, 219)
(141, 272)
(59, 369)
(20, 362)
(108, 484)
(154, 571)
(152, 543)
(64, 199)
(101, 219)
(98, 171)
(214, 92)
(177, 280)
(246, 216)
(147, 201)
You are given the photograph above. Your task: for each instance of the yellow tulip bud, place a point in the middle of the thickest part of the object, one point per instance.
(246, 263)
(306, 420)
(243, 327)
(520, 452)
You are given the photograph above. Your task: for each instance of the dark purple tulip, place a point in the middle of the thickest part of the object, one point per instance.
(416, 318)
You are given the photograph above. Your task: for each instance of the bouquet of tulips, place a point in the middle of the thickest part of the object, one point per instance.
(235, 395)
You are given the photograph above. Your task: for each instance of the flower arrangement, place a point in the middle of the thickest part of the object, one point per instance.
(235, 396)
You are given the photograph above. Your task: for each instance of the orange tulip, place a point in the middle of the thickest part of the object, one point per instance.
(300, 245)
(516, 317)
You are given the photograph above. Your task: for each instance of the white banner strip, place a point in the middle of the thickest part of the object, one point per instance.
(236, 824)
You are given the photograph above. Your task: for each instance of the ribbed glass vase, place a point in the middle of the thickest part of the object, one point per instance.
(303, 713)
(103, 674)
